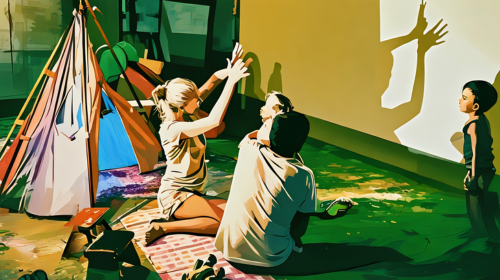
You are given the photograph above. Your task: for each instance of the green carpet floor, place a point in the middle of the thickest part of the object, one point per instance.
(399, 215)
(404, 227)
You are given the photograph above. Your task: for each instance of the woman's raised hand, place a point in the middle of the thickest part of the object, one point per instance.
(238, 71)
(237, 53)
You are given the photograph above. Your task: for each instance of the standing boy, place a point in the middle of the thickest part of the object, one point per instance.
(477, 98)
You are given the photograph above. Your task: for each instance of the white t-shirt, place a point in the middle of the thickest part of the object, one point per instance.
(266, 193)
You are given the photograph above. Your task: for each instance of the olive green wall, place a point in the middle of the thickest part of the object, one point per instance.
(444, 171)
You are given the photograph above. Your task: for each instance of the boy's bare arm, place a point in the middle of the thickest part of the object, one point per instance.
(473, 140)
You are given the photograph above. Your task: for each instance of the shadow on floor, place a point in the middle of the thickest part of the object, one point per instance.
(318, 258)
(470, 265)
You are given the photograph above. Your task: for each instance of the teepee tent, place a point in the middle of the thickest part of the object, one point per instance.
(52, 166)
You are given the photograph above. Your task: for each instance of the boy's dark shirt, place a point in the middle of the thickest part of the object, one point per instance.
(484, 155)
(288, 133)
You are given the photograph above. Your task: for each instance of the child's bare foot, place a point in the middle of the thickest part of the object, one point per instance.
(154, 232)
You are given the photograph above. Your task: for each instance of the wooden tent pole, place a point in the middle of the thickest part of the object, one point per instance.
(145, 116)
(85, 112)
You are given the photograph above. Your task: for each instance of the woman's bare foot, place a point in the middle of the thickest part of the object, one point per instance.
(154, 232)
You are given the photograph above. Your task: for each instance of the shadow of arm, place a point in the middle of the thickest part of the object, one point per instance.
(407, 111)
(394, 43)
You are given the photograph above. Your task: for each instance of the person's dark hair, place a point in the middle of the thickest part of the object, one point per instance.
(484, 94)
(285, 103)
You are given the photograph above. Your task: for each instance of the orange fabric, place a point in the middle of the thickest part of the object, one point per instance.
(140, 82)
(49, 73)
(11, 153)
(7, 159)
(144, 143)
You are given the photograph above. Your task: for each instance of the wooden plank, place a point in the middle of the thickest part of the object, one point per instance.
(153, 65)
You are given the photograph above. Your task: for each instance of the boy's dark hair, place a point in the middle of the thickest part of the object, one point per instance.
(484, 94)
(285, 103)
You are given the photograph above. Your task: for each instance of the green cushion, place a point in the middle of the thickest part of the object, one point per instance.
(129, 50)
(109, 66)
(124, 52)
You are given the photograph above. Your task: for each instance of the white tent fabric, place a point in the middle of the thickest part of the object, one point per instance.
(59, 168)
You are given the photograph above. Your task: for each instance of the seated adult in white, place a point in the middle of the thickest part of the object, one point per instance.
(271, 185)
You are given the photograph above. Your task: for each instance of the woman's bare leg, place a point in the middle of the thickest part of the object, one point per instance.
(196, 215)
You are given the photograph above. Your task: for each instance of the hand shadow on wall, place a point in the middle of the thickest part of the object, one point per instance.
(358, 72)
(275, 82)
(400, 115)
(252, 82)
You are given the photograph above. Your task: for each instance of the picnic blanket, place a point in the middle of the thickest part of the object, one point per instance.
(176, 254)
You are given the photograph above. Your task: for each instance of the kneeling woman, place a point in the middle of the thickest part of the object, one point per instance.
(182, 137)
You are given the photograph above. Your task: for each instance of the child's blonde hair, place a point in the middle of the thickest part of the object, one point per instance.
(173, 94)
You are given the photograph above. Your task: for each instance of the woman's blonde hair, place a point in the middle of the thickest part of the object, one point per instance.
(174, 94)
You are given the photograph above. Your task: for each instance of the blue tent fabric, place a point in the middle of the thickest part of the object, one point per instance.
(115, 149)
(79, 117)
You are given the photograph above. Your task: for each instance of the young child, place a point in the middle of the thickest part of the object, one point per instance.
(268, 112)
(477, 98)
